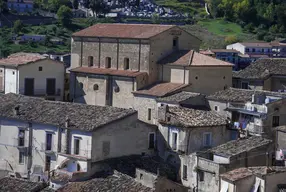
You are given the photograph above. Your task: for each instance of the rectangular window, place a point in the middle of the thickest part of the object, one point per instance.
(21, 157)
(275, 121)
(216, 108)
(149, 114)
(40, 68)
(76, 146)
(201, 175)
(90, 61)
(207, 139)
(49, 138)
(174, 140)
(151, 140)
(185, 173)
(244, 85)
(21, 138)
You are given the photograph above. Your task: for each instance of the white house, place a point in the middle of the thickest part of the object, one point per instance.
(39, 136)
(32, 74)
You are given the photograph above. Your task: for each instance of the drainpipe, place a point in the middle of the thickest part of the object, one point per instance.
(67, 147)
(139, 62)
(117, 59)
(30, 146)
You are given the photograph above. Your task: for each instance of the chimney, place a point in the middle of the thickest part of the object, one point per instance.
(16, 110)
(162, 113)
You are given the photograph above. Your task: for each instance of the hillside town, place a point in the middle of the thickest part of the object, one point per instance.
(140, 107)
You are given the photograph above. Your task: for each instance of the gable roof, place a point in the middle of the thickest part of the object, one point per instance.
(21, 58)
(238, 146)
(178, 97)
(240, 95)
(262, 69)
(192, 58)
(82, 117)
(160, 89)
(137, 31)
(188, 118)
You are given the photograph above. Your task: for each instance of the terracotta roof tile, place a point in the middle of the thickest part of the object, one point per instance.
(161, 89)
(262, 69)
(190, 118)
(138, 31)
(108, 71)
(192, 58)
(21, 59)
(237, 174)
(9, 184)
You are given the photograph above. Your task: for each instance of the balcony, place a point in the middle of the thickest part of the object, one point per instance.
(83, 154)
(20, 142)
(41, 92)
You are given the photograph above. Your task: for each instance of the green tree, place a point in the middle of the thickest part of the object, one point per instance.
(18, 26)
(230, 39)
(97, 7)
(65, 15)
(155, 19)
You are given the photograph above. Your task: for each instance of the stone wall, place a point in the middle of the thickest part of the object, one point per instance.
(142, 104)
(125, 137)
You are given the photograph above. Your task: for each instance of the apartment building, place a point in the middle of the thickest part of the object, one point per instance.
(38, 136)
(256, 112)
(32, 74)
(111, 61)
(264, 74)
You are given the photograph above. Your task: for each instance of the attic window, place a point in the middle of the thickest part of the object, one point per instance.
(196, 77)
(13, 72)
(40, 68)
(95, 87)
(223, 77)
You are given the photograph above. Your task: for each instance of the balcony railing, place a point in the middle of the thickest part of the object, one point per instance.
(41, 92)
(75, 152)
(20, 142)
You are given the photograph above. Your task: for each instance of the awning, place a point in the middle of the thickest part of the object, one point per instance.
(224, 187)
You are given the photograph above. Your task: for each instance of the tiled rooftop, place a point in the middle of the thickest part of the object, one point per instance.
(21, 59)
(192, 58)
(188, 118)
(240, 95)
(236, 147)
(107, 71)
(241, 173)
(262, 68)
(161, 89)
(82, 117)
(137, 31)
(237, 174)
(178, 97)
(9, 184)
(256, 44)
(114, 183)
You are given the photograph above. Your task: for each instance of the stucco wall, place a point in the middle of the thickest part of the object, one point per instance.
(142, 104)
(111, 141)
(50, 69)
(221, 106)
(272, 180)
(11, 80)
(174, 74)
(221, 77)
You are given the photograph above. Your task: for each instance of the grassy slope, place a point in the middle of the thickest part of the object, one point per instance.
(214, 32)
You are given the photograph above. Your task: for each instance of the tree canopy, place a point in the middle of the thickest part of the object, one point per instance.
(64, 15)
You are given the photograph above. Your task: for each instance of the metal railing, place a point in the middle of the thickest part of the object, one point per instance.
(77, 152)
(41, 92)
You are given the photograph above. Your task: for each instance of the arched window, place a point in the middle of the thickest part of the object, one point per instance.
(90, 61)
(107, 62)
(126, 63)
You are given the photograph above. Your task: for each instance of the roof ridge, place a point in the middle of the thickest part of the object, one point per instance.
(191, 57)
